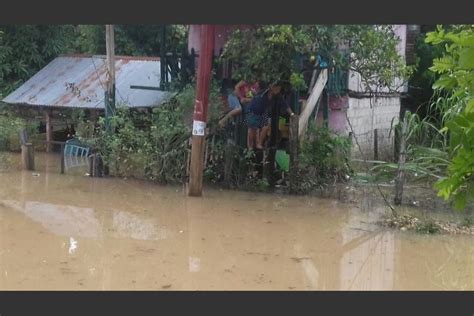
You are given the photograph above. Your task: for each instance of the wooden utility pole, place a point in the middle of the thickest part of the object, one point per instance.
(401, 165)
(110, 92)
(200, 110)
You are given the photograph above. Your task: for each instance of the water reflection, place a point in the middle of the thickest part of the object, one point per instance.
(72, 162)
(62, 220)
(67, 220)
(135, 235)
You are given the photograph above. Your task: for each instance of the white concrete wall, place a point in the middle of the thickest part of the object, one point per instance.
(368, 114)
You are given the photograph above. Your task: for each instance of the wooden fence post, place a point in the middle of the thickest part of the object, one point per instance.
(28, 156)
(62, 158)
(49, 130)
(96, 166)
(376, 145)
(294, 144)
(228, 162)
(401, 165)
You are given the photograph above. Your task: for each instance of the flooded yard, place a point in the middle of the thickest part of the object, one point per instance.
(73, 232)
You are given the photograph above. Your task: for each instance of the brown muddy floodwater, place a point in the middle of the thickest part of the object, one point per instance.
(73, 232)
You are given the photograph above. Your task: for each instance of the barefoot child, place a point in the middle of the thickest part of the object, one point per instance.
(258, 114)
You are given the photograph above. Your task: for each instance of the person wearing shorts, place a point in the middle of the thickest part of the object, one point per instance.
(258, 115)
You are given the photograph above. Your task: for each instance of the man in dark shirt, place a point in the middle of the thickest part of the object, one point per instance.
(258, 114)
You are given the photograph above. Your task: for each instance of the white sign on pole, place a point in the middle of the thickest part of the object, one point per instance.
(199, 128)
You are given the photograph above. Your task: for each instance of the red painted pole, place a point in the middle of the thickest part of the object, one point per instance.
(200, 109)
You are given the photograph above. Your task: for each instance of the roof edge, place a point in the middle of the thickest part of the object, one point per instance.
(145, 58)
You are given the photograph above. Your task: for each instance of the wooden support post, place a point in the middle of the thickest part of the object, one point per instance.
(49, 130)
(62, 158)
(396, 145)
(270, 166)
(326, 110)
(294, 146)
(401, 165)
(272, 144)
(376, 145)
(312, 102)
(96, 167)
(28, 156)
(23, 136)
(200, 110)
(163, 59)
(259, 156)
(229, 159)
(93, 117)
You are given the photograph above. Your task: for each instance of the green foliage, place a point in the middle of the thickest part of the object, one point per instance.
(24, 49)
(148, 144)
(134, 40)
(297, 82)
(324, 158)
(10, 126)
(243, 173)
(422, 79)
(142, 145)
(268, 52)
(426, 152)
(456, 79)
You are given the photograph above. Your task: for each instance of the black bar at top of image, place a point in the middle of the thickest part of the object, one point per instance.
(237, 12)
(237, 303)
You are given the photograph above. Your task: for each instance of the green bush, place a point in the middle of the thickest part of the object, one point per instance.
(10, 126)
(150, 144)
(146, 145)
(324, 159)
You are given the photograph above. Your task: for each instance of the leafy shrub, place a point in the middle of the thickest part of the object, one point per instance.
(324, 159)
(152, 144)
(10, 126)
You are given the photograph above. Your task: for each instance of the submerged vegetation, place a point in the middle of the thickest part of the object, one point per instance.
(428, 226)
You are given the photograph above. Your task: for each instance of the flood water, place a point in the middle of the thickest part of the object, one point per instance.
(73, 232)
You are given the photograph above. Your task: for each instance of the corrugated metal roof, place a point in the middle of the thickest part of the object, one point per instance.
(79, 81)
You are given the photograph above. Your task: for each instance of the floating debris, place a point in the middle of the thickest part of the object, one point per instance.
(72, 245)
(412, 223)
(34, 174)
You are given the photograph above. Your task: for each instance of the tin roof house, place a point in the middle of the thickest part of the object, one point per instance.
(79, 82)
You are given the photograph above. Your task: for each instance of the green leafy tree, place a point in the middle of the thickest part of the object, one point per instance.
(25, 49)
(270, 52)
(456, 81)
(134, 40)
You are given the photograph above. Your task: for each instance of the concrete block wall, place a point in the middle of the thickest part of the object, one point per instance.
(368, 114)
